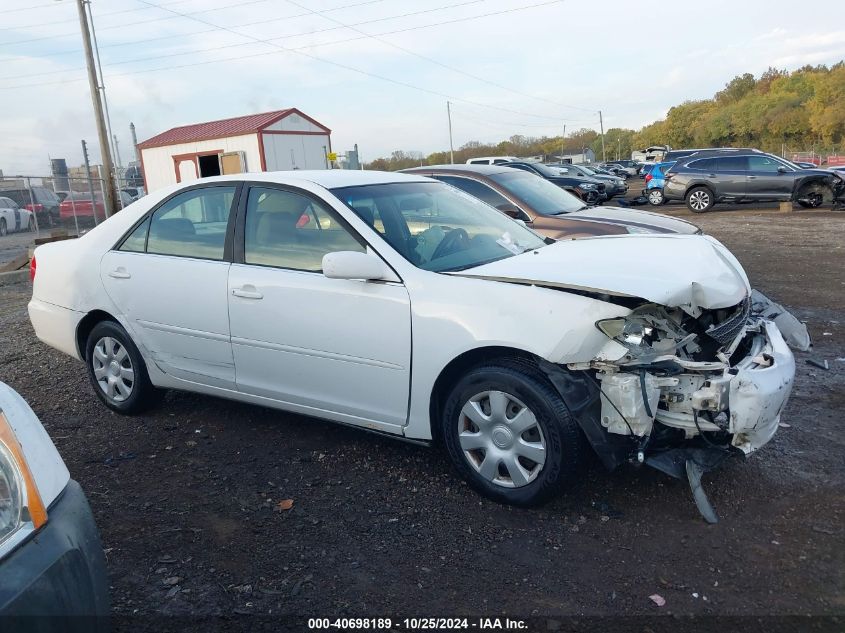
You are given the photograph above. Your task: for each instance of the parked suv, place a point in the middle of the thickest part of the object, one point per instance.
(43, 203)
(590, 190)
(614, 185)
(705, 178)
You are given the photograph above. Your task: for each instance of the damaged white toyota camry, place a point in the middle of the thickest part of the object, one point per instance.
(402, 305)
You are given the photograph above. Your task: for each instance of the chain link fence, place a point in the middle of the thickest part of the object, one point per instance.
(34, 208)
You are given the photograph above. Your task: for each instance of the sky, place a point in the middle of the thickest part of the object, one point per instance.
(379, 72)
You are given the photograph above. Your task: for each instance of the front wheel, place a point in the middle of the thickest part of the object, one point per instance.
(117, 371)
(655, 197)
(700, 199)
(510, 435)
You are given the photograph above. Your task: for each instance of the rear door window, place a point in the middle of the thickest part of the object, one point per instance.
(192, 224)
(732, 163)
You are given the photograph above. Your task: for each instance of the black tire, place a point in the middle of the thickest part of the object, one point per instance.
(3, 229)
(655, 197)
(700, 199)
(142, 394)
(564, 443)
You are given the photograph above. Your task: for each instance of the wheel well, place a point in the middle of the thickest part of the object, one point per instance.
(87, 324)
(459, 365)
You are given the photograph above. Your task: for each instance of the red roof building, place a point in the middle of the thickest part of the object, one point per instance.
(270, 141)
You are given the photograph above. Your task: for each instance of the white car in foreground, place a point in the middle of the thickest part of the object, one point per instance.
(51, 559)
(402, 305)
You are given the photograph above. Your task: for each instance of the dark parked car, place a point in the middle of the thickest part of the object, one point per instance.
(614, 185)
(547, 208)
(43, 202)
(631, 167)
(706, 178)
(590, 190)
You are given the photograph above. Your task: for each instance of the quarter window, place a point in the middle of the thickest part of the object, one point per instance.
(192, 224)
(290, 230)
(137, 240)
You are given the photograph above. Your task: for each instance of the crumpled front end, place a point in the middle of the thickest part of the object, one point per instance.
(723, 377)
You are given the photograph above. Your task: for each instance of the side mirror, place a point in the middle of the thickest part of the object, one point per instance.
(355, 265)
(509, 209)
(781, 169)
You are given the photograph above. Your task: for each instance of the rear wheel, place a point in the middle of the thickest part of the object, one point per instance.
(509, 434)
(700, 199)
(117, 371)
(655, 197)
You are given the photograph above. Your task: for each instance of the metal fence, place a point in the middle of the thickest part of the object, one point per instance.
(34, 207)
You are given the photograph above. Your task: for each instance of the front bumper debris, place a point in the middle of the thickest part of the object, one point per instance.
(684, 415)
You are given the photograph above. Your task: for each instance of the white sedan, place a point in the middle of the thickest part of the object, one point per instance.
(402, 305)
(13, 219)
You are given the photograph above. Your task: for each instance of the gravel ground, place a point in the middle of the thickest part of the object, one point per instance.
(187, 497)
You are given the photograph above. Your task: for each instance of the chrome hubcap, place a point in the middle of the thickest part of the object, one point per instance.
(113, 369)
(655, 197)
(699, 200)
(501, 439)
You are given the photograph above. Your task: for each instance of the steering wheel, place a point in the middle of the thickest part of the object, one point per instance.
(455, 240)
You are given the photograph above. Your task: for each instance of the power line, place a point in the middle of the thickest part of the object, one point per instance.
(382, 77)
(123, 26)
(170, 36)
(298, 50)
(103, 15)
(282, 37)
(439, 63)
(37, 6)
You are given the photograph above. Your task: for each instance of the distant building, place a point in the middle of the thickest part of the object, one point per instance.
(270, 141)
(577, 158)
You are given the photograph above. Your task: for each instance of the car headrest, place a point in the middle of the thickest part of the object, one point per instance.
(172, 228)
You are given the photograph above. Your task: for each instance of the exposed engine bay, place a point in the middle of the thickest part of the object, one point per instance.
(696, 385)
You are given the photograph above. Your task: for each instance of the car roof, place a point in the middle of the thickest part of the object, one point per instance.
(328, 178)
(482, 170)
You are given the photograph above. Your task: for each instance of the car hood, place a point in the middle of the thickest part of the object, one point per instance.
(639, 219)
(691, 272)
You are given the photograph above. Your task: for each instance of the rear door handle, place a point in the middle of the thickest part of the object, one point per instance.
(120, 273)
(247, 291)
(751, 177)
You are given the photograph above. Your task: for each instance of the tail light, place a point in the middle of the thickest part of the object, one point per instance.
(303, 220)
(32, 268)
(35, 208)
(648, 177)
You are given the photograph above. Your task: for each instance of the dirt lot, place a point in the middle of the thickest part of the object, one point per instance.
(186, 497)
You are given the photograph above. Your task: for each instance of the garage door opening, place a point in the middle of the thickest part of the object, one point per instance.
(209, 165)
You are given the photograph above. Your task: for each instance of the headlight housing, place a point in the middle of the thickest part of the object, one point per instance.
(586, 185)
(21, 509)
(11, 503)
(629, 333)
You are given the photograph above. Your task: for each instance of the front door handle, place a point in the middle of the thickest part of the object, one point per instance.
(120, 273)
(247, 291)
(751, 177)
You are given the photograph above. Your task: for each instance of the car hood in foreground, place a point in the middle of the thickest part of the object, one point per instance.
(641, 219)
(691, 272)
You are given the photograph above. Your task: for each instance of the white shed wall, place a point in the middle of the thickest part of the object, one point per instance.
(294, 123)
(295, 151)
(158, 161)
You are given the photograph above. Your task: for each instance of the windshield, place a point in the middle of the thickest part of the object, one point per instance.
(548, 172)
(438, 227)
(541, 195)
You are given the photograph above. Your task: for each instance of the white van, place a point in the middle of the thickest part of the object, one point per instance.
(491, 160)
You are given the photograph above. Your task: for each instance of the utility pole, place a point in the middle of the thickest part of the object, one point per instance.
(134, 141)
(601, 124)
(451, 147)
(117, 152)
(90, 183)
(102, 134)
(563, 143)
